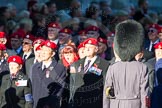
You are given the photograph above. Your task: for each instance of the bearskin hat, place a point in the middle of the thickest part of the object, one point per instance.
(129, 39)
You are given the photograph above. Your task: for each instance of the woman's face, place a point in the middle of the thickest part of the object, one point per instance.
(69, 57)
(101, 48)
(14, 67)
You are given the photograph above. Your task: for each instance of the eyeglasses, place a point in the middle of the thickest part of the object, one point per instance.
(152, 31)
(25, 43)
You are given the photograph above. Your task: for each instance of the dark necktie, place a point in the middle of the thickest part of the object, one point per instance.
(152, 49)
(86, 66)
(24, 57)
(44, 68)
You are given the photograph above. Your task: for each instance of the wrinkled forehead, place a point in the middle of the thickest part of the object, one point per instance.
(90, 45)
(15, 39)
(52, 28)
(64, 34)
(13, 64)
(27, 40)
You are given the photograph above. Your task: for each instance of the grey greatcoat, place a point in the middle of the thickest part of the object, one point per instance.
(130, 82)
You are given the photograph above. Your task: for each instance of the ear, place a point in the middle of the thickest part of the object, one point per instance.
(105, 47)
(96, 49)
(53, 53)
(4, 41)
(20, 66)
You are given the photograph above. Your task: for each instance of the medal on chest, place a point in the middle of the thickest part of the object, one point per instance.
(95, 70)
(47, 74)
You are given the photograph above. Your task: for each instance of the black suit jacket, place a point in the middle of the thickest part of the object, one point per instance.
(57, 74)
(79, 81)
(28, 65)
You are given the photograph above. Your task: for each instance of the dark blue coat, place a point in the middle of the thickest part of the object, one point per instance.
(156, 98)
(40, 84)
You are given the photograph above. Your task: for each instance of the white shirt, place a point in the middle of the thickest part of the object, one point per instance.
(27, 54)
(56, 41)
(46, 65)
(92, 61)
(150, 47)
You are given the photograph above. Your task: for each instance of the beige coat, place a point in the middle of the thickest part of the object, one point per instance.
(130, 81)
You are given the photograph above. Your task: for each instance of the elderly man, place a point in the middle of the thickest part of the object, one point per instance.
(87, 78)
(47, 72)
(16, 42)
(153, 37)
(53, 30)
(27, 47)
(92, 32)
(65, 36)
(37, 58)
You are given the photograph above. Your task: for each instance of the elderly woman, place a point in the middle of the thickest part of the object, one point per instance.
(69, 54)
(15, 90)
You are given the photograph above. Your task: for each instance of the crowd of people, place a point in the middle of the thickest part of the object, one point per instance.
(99, 58)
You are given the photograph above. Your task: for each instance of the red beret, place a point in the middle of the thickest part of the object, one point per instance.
(155, 26)
(38, 41)
(2, 47)
(82, 33)
(160, 30)
(66, 30)
(2, 35)
(16, 59)
(30, 37)
(38, 48)
(54, 25)
(81, 45)
(17, 35)
(102, 40)
(92, 28)
(110, 34)
(158, 45)
(50, 44)
(91, 41)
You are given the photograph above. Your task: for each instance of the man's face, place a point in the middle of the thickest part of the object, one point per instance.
(152, 34)
(82, 38)
(46, 53)
(90, 50)
(92, 34)
(14, 67)
(63, 38)
(52, 8)
(37, 53)
(160, 36)
(15, 43)
(27, 45)
(81, 52)
(52, 33)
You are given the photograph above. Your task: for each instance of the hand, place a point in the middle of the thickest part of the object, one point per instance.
(139, 56)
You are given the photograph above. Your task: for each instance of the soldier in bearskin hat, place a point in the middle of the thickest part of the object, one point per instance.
(127, 80)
